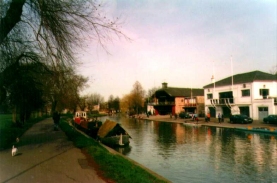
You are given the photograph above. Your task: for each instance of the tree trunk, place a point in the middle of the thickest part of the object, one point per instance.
(12, 17)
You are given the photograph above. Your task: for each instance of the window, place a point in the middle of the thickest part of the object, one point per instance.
(264, 93)
(245, 93)
(210, 96)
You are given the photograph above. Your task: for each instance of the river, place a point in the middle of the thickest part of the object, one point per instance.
(200, 154)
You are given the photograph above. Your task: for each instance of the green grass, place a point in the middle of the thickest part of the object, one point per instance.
(114, 167)
(9, 131)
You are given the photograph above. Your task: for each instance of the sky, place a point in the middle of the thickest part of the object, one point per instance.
(181, 42)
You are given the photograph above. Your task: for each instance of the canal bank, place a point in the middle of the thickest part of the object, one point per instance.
(213, 122)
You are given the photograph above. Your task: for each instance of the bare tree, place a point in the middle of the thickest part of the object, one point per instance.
(49, 32)
(94, 99)
(55, 28)
(137, 97)
(273, 70)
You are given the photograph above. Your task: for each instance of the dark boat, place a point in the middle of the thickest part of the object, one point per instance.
(113, 135)
(88, 125)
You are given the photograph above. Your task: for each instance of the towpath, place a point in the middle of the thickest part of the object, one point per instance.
(45, 155)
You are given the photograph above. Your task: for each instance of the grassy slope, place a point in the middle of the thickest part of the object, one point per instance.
(9, 131)
(113, 166)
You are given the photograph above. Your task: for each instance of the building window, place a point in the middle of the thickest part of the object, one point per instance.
(210, 96)
(245, 93)
(264, 93)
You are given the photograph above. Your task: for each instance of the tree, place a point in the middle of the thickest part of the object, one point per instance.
(125, 104)
(151, 92)
(48, 32)
(55, 28)
(116, 104)
(94, 99)
(61, 89)
(137, 97)
(274, 70)
(23, 88)
(110, 103)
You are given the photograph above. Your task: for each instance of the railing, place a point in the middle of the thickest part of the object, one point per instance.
(162, 103)
(190, 105)
(222, 101)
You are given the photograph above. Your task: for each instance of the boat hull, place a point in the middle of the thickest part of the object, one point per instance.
(259, 130)
(114, 141)
(193, 124)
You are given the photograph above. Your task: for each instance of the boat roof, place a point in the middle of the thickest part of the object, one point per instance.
(106, 128)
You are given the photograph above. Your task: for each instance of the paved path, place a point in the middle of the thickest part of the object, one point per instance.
(46, 156)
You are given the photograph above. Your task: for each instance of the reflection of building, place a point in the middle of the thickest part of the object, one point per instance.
(175, 100)
(253, 93)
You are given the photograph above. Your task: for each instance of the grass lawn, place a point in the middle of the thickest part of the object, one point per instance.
(9, 131)
(111, 166)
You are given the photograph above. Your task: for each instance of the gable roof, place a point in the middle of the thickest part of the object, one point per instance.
(182, 92)
(248, 77)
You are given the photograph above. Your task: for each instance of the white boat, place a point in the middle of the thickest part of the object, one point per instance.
(192, 124)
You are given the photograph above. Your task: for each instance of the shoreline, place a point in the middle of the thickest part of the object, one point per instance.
(213, 122)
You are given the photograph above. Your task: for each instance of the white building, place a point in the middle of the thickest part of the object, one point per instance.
(253, 93)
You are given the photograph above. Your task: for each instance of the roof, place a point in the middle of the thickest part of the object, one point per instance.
(181, 92)
(248, 77)
(106, 128)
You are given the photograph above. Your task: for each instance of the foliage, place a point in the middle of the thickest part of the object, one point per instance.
(23, 87)
(93, 100)
(115, 167)
(133, 103)
(47, 34)
(113, 104)
(137, 98)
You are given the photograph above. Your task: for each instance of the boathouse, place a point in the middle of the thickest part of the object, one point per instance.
(172, 100)
(253, 94)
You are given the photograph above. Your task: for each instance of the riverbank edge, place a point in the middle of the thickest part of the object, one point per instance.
(158, 176)
(112, 151)
(213, 122)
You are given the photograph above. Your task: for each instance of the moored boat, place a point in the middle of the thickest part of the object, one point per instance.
(112, 134)
(88, 125)
(270, 130)
(192, 124)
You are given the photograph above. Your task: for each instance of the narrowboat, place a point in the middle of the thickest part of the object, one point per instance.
(88, 125)
(112, 134)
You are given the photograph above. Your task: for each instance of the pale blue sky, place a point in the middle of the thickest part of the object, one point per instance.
(179, 41)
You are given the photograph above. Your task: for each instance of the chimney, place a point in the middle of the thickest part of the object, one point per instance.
(164, 85)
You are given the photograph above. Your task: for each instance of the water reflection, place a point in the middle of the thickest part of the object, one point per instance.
(201, 154)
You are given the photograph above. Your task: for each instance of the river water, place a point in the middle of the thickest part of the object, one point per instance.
(200, 154)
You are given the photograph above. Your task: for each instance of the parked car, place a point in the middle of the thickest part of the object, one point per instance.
(184, 115)
(272, 119)
(240, 118)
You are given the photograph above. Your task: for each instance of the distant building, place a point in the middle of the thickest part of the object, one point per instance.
(253, 94)
(171, 100)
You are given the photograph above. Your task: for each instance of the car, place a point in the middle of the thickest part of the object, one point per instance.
(185, 115)
(240, 118)
(272, 119)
